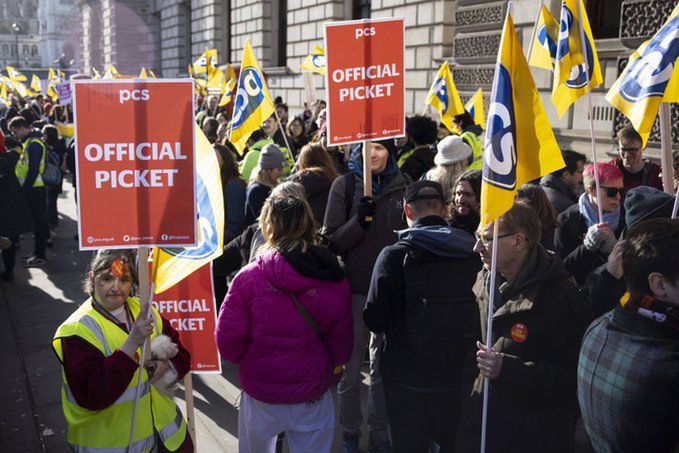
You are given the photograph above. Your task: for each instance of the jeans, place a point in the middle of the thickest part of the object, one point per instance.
(38, 207)
(349, 388)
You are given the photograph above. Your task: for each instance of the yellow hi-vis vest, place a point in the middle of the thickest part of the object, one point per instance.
(108, 430)
(474, 142)
(21, 168)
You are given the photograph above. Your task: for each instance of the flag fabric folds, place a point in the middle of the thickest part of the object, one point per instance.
(4, 97)
(35, 86)
(253, 102)
(228, 85)
(475, 108)
(315, 61)
(15, 75)
(650, 78)
(205, 62)
(171, 265)
(443, 96)
(570, 79)
(143, 74)
(543, 50)
(520, 144)
(111, 73)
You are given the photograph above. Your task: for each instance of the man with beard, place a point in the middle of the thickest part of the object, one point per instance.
(464, 209)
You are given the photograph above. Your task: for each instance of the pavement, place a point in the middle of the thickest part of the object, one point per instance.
(31, 309)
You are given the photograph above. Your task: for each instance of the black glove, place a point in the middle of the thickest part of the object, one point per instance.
(365, 211)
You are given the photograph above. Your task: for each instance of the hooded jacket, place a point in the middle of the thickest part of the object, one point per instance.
(317, 188)
(386, 302)
(560, 195)
(360, 246)
(281, 359)
(537, 326)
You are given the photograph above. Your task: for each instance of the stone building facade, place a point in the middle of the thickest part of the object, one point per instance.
(167, 35)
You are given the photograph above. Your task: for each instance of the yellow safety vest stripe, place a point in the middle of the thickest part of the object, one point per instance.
(21, 168)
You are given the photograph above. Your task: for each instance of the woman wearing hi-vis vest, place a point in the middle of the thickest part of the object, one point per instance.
(99, 347)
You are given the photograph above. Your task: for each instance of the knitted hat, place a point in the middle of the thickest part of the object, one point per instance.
(452, 149)
(387, 143)
(643, 203)
(271, 157)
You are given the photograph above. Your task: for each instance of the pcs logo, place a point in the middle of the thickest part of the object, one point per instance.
(249, 96)
(499, 154)
(442, 92)
(546, 41)
(318, 61)
(649, 74)
(578, 75)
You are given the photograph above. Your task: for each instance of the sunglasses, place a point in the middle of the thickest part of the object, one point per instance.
(612, 191)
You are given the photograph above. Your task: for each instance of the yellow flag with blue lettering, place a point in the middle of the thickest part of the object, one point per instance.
(228, 86)
(650, 78)
(4, 97)
(171, 265)
(253, 102)
(520, 144)
(315, 62)
(205, 62)
(443, 96)
(543, 50)
(570, 67)
(15, 75)
(475, 108)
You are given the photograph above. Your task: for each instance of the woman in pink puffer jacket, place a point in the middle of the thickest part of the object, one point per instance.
(286, 367)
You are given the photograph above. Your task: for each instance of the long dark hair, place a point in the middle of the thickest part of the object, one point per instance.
(314, 157)
(229, 168)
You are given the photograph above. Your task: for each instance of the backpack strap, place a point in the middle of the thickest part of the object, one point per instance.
(306, 316)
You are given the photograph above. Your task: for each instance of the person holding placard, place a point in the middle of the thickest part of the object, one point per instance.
(98, 348)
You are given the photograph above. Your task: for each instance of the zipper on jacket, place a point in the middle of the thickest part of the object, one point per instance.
(424, 306)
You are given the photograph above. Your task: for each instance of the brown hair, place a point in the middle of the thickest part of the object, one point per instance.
(289, 130)
(314, 157)
(627, 135)
(101, 263)
(522, 219)
(287, 223)
(535, 197)
(650, 246)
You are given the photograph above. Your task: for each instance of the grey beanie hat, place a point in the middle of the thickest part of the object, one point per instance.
(271, 157)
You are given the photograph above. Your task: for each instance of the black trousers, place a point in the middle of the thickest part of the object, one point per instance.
(418, 417)
(38, 206)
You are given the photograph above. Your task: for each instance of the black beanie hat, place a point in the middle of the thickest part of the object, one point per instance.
(643, 203)
(387, 143)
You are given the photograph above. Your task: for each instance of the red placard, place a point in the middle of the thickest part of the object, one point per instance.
(365, 80)
(190, 307)
(135, 163)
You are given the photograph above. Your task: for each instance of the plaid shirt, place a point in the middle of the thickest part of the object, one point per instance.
(628, 384)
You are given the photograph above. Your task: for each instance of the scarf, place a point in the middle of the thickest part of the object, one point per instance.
(592, 216)
(651, 308)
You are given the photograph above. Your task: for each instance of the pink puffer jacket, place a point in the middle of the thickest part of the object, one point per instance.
(282, 361)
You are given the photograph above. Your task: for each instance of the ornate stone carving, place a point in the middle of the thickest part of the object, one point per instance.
(621, 121)
(477, 47)
(473, 77)
(642, 18)
(480, 17)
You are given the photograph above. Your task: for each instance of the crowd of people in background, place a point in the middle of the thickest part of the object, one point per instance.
(314, 274)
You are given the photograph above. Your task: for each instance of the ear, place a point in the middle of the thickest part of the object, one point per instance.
(658, 285)
(407, 210)
(519, 242)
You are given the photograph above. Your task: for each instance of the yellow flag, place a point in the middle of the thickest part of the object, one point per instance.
(8, 83)
(228, 86)
(22, 89)
(520, 144)
(171, 265)
(253, 103)
(216, 79)
(142, 74)
(475, 108)
(152, 74)
(207, 60)
(64, 129)
(443, 96)
(36, 87)
(201, 88)
(96, 74)
(570, 79)
(111, 73)
(4, 97)
(543, 51)
(315, 62)
(15, 75)
(650, 78)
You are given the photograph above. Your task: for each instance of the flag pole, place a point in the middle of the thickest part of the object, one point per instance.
(583, 49)
(190, 413)
(285, 136)
(535, 31)
(144, 303)
(666, 148)
(489, 331)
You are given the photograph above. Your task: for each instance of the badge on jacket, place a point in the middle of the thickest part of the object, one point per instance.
(519, 332)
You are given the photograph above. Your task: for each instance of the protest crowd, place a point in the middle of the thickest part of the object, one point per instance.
(319, 283)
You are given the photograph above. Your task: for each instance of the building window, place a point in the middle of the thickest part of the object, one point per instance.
(25, 49)
(5, 49)
(361, 9)
(185, 33)
(34, 50)
(279, 32)
(604, 18)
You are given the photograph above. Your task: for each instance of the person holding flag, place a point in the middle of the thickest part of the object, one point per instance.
(523, 398)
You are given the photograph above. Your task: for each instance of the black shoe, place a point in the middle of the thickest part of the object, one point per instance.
(35, 261)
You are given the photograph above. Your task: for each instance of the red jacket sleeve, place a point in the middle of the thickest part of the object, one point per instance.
(96, 381)
(182, 361)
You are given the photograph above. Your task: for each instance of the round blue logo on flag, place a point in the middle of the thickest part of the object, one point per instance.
(565, 24)
(249, 96)
(318, 60)
(499, 154)
(649, 74)
(441, 92)
(207, 224)
(546, 41)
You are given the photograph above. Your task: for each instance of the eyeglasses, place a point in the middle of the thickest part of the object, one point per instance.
(629, 150)
(487, 241)
(613, 191)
